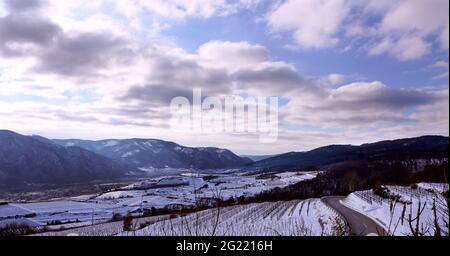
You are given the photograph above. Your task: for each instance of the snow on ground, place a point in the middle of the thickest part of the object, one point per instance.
(294, 177)
(158, 192)
(104, 229)
(11, 211)
(292, 218)
(67, 211)
(110, 143)
(438, 187)
(22, 221)
(393, 214)
(116, 195)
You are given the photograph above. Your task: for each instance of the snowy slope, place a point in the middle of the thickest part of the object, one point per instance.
(157, 193)
(151, 153)
(292, 218)
(393, 214)
(31, 160)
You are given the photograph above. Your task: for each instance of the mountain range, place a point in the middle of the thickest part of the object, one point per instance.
(35, 160)
(425, 147)
(26, 160)
(30, 160)
(150, 153)
(256, 158)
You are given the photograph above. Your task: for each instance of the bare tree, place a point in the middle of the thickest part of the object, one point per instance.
(197, 202)
(392, 206)
(416, 230)
(217, 196)
(351, 179)
(437, 228)
(128, 223)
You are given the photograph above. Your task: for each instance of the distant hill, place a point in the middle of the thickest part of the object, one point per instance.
(402, 149)
(152, 153)
(34, 160)
(30, 160)
(256, 158)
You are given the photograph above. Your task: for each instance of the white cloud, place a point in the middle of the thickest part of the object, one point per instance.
(441, 75)
(360, 105)
(232, 55)
(444, 39)
(335, 79)
(425, 17)
(180, 9)
(415, 21)
(440, 64)
(96, 74)
(314, 23)
(405, 48)
(404, 29)
(441, 68)
(128, 8)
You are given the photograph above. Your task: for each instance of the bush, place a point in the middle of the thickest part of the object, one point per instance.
(16, 229)
(116, 217)
(54, 222)
(128, 223)
(381, 192)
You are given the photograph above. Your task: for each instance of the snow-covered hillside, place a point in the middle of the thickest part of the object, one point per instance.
(147, 154)
(168, 191)
(292, 218)
(396, 213)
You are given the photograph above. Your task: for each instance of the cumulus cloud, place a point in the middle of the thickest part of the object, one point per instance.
(361, 104)
(21, 34)
(441, 68)
(64, 71)
(422, 17)
(82, 54)
(314, 24)
(155, 95)
(376, 95)
(417, 21)
(405, 48)
(55, 49)
(180, 9)
(171, 75)
(440, 64)
(336, 79)
(405, 30)
(23, 5)
(232, 55)
(270, 79)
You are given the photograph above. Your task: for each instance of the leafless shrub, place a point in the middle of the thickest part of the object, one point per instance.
(16, 229)
(128, 223)
(217, 194)
(417, 229)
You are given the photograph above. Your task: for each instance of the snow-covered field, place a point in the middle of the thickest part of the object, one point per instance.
(103, 229)
(395, 214)
(292, 218)
(438, 187)
(161, 192)
(9, 211)
(89, 215)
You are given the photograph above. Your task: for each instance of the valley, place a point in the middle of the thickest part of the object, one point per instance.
(181, 191)
(140, 187)
(360, 213)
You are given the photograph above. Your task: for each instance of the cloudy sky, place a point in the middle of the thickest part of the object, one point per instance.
(346, 71)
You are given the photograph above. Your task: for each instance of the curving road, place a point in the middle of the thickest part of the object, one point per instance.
(360, 225)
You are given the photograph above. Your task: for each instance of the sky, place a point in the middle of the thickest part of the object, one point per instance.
(346, 71)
